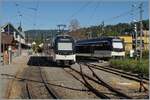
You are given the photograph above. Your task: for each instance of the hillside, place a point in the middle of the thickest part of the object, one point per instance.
(108, 30)
(32, 35)
(93, 31)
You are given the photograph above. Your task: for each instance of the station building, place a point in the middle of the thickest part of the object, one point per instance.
(11, 36)
(130, 44)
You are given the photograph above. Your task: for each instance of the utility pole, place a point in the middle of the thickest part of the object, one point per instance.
(20, 30)
(102, 25)
(0, 47)
(135, 30)
(58, 29)
(141, 29)
(90, 35)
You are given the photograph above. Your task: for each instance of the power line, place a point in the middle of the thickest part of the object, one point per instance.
(92, 15)
(120, 15)
(79, 10)
(35, 16)
(133, 14)
(19, 14)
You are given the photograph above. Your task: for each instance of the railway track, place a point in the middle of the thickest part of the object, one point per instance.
(49, 89)
(89, 87)
(40, 76)
(34, 79)
(29, 96)
(10, 84)
(107, 85)
(42, 88)
(86, 80)
(29, 83)
(119, 72)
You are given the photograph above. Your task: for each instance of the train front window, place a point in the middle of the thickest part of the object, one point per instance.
(117, 45)
(65, 46)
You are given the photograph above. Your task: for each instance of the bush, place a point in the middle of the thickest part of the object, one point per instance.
(146, 54)
(132, 65)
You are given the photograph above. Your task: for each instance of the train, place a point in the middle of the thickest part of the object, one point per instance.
(63, 52)
(102, 48)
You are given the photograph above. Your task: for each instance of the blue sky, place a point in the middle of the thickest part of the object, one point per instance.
(50, 13)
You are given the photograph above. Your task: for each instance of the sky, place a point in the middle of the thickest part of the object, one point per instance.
(47, 14)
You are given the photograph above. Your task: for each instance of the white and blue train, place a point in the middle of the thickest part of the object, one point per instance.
(63, 51)
(103, 47)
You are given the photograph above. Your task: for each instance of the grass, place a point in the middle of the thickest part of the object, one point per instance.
(131, 65)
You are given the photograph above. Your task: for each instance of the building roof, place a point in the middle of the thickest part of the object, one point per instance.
(5, 25)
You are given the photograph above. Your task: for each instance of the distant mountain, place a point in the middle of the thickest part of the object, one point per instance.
(35, 34)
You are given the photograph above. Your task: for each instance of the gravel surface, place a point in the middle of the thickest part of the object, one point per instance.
(35, 84)
(125, 85)
(61, 79)
(57, 76)
(7, 82)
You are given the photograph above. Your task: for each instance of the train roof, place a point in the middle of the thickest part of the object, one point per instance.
(96, 40)
(63, 38)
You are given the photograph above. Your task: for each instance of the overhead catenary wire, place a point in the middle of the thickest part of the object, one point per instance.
(133, 14)
(93, 14)
(19, 13)
(124, 14)
(35, 16)
(121, 15)
(32, 16)
(78, 11)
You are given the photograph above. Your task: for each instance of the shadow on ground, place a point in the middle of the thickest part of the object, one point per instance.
(43, 61)
(86, 60)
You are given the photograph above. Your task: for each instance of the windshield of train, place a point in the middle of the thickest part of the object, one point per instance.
(65, 46)
(117, 45)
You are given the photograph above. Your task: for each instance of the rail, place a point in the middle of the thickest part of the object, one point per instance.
(120, 73)
(88, 86)
(107, 85)
(50, 90)
(99, 82)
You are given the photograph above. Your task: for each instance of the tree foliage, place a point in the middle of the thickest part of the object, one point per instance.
(108, 30)
(74, 25)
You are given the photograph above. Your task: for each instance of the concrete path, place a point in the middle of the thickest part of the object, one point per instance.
(18, 64)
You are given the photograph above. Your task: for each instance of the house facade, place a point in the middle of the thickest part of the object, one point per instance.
(129, 41)
(11, 36)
